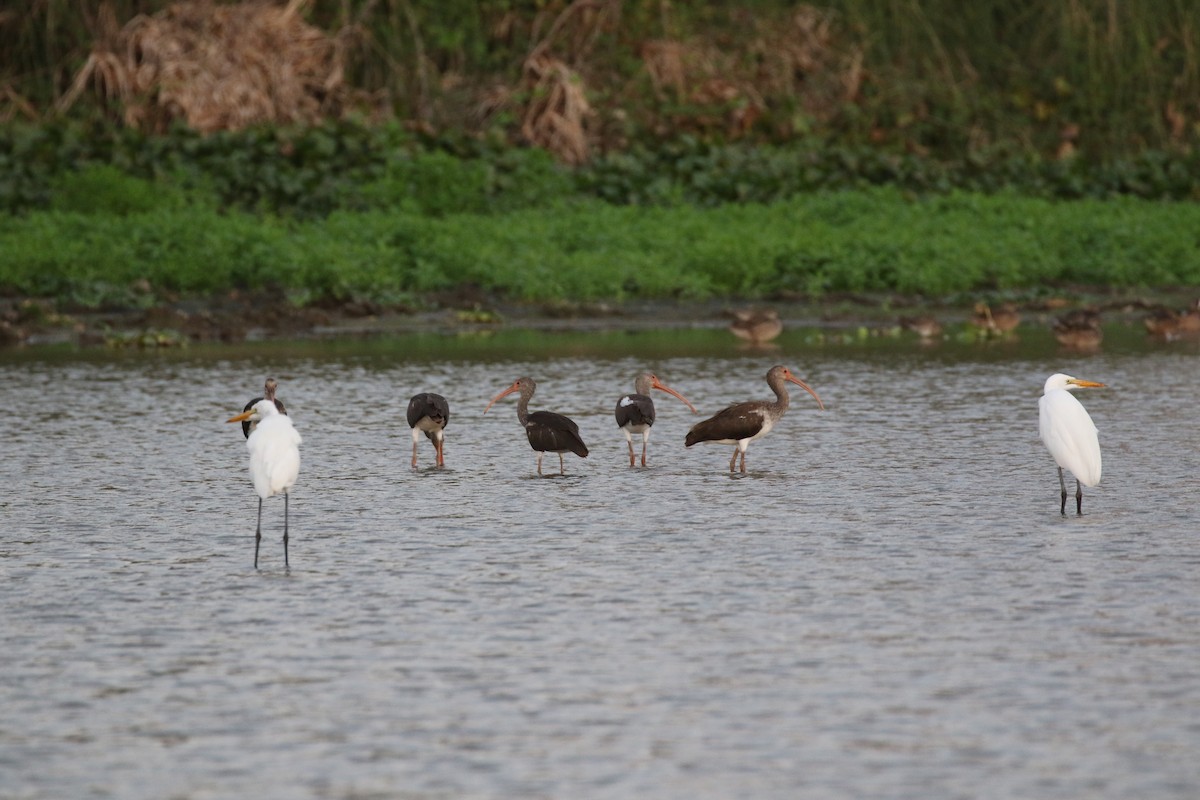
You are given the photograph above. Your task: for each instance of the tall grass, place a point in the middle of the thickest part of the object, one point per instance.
(1102, 77)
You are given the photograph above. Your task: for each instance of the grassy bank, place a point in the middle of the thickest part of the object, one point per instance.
(877, 239)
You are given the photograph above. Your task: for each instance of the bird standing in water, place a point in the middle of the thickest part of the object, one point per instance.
(547, 432)
(743, 423)
(1069, 435)
(274, 447)
(635, 412)
(429, 413)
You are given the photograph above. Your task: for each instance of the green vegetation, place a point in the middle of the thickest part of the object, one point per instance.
(759, 148)
(311, 172)
(874, 239)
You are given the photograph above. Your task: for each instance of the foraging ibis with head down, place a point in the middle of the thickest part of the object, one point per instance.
(548, 432)
(635, 412)
(268, 394)
(429, 413)
(743, 423)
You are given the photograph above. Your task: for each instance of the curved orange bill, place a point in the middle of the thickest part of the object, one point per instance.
(245, 415)
(514, 388)
(1086, 384)
(805, 387)
(657, 384)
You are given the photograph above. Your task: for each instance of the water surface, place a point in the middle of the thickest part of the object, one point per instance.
(887, 604)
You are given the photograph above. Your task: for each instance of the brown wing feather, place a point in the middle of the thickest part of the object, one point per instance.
(739, 421)
(549, 432)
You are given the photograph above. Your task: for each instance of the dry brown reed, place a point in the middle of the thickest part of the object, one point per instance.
(216, 67)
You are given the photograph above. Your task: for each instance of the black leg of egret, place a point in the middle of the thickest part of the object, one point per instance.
(1062, 483)
(258, 533)
(1078, 498)
(285, 528)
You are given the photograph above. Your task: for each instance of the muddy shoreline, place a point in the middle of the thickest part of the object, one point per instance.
(240, 316)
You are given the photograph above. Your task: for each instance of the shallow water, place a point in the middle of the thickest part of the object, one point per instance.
(887, 604)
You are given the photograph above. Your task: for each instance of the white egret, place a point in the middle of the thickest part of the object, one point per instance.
(1070, 435)
(274, 447)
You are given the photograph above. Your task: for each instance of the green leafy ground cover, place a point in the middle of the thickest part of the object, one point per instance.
(875, 239)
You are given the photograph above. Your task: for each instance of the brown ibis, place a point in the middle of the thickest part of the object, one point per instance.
(743, 423)
(269, 388)
(548, 432)
(635, 412)
(756, 326)
(429, 413)
(1079, 329)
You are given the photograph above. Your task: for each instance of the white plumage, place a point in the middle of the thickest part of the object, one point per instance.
(1069, 434)
(274, 447)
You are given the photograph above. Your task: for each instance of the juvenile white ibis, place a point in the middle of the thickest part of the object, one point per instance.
(1079, 329)
(428, 413)
(1069, 435)
(635, 412)
(756, 326)
(274, 448)
(742, 423)
(548, 432)
(268, 394)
